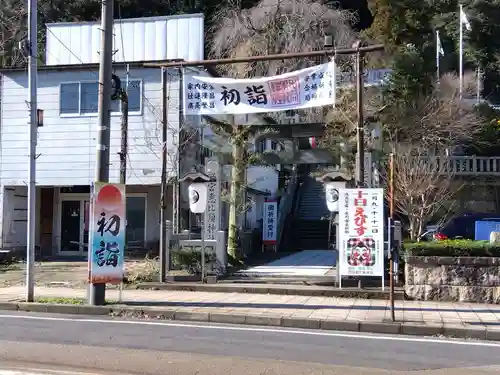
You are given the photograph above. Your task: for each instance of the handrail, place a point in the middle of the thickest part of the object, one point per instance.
(286, 206)
(303, 173)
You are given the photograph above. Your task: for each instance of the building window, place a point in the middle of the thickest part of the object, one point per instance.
(136, 221)
(89, 92)
(69, 98)
(134, 96)
(81, 98)
(262, 145)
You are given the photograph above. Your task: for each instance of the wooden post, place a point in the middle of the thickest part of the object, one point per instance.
(391, 249)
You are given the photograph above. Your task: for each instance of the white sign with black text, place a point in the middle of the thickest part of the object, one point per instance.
(306, 88)
(270, 223)
(211, 214)
(361, 232)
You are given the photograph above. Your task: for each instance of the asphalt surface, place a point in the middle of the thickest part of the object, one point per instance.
(107, 346)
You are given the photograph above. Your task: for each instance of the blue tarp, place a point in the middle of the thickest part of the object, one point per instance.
(484, 229)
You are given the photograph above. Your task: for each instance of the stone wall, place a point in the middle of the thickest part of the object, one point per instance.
(464, 279)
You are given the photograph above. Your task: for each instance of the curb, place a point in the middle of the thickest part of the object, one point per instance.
(414, 329)
(267, 289)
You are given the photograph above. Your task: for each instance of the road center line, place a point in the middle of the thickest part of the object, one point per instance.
(33, 371)
(256, 329)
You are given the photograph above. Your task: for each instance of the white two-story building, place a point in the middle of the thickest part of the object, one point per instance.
(66, 143)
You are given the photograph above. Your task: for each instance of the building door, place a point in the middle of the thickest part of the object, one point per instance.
(70, 227)
(74, 225)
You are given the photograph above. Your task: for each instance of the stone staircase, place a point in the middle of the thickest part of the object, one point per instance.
(309, 230)
(312, 204)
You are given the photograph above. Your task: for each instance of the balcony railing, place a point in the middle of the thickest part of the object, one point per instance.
(468, 165)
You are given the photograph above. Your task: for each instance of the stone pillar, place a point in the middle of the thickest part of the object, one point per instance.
(169, 232)
(211, 216)
(218, 193)
(221, 251)
(175, 207)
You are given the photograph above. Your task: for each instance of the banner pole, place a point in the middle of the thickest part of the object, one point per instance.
(391, 221)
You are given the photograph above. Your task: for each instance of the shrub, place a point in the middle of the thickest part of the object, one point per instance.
(453, 248)
(143, 271)
(190, 261)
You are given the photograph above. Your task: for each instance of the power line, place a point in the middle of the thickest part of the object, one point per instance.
(152, 108)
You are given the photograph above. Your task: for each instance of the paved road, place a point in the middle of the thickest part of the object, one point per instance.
(108, 346)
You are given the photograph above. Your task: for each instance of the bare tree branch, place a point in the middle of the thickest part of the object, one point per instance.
(276, 26)
(436, 121)
(13, 29)
(421, 189)
(279, 26)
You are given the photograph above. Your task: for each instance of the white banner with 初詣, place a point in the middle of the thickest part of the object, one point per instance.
(306, 88)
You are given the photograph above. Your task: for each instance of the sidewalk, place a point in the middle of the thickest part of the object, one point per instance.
(314, 312)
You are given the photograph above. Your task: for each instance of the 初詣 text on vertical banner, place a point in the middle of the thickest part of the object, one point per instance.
(107, 240)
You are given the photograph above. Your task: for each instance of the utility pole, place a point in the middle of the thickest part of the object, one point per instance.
(164, 253)
(123, 95)
(360, 133)
(33, 124)
(98, 291)
(124, 138)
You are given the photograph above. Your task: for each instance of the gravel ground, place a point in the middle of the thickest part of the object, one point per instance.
(60, 274)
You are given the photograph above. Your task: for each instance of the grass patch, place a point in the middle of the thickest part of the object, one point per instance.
(453, 248)
(62, 300)
(68, 301)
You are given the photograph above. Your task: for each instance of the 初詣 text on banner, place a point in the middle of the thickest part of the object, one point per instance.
(107, 240)
(306, 88)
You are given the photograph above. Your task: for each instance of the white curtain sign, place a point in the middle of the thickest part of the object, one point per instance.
(306, 88)
(270, 222)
